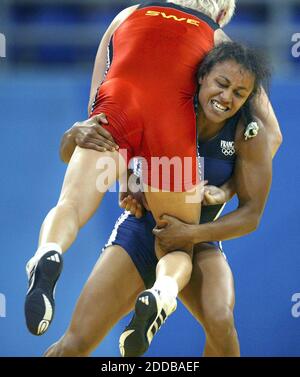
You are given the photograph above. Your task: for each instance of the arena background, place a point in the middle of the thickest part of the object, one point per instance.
(44, 86)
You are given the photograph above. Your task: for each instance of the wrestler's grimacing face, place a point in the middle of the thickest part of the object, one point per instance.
(224, 90)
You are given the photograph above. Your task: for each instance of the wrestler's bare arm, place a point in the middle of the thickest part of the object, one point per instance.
(253, 176)
(263, 110)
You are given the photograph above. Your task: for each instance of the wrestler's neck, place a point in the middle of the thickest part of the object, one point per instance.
(206, 128)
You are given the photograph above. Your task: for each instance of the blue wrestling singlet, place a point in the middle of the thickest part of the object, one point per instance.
(135, 235)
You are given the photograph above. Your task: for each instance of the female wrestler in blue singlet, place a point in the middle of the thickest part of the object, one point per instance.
(128, 265)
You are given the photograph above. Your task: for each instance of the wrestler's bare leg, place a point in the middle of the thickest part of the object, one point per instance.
(80, 196)
(210, 297)
(173, 272)
(88, 177)
(177, 264)
(108, 295)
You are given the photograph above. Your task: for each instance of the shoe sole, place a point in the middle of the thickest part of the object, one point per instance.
(39, 303)
(136, 338)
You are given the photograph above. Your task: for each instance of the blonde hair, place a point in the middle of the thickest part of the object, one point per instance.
(211, 8)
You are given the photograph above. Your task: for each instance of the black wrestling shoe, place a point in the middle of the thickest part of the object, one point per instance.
(151, 311)
(39, 302)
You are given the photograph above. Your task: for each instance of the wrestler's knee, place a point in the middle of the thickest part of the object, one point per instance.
(219, 322)
(70, 345)
(67, 206)
(161, 252)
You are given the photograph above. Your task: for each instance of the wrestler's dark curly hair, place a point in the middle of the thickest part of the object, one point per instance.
(250, 59)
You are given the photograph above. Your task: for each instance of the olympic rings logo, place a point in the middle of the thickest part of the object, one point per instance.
(228, 152)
